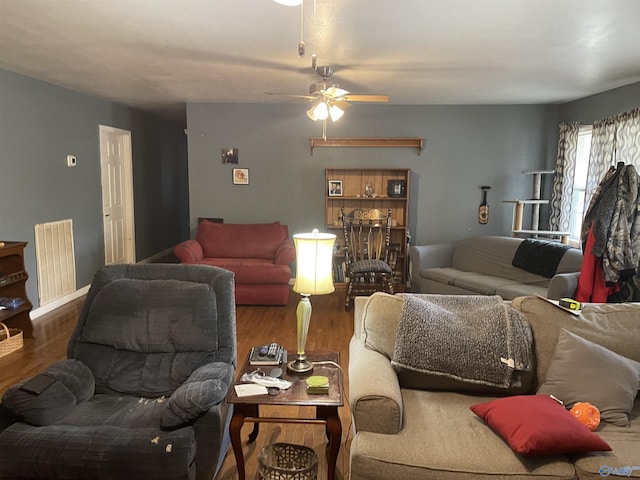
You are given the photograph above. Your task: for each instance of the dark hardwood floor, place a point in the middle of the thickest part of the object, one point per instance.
(331, 329)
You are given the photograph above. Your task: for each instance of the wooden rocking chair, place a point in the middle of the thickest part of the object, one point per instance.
(369, 259)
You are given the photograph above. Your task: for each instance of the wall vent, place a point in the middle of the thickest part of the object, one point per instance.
(55, 259)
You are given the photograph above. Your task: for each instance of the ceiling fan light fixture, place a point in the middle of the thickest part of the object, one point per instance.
(289, 3)
(335, 112)
(311, 113)
(321, 111)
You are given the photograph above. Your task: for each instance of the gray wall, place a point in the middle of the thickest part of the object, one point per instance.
(603, 105)
(466, 146)
(39, 125)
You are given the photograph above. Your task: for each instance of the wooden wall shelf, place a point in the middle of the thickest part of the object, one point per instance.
(417, 143)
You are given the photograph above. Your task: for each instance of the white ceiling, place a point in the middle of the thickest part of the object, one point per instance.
(159, 54)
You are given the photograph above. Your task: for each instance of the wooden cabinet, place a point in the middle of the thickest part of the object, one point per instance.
(13, 279)
(366, 189)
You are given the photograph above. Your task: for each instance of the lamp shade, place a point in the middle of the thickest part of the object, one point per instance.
(289, 3)
(314, 262)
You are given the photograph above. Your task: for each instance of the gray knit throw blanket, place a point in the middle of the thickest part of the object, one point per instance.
(477, 339)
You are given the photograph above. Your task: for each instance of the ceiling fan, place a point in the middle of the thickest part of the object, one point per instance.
(329, 100)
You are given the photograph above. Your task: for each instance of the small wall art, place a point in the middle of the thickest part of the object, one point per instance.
(230, 155)
(335, 188)
(241, 176)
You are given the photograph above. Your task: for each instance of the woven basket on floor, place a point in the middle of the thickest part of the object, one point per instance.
(284, 461)
(10, 340)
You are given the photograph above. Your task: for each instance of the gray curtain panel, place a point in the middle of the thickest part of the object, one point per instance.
(615, 139)
(563, 177)
(628, 138)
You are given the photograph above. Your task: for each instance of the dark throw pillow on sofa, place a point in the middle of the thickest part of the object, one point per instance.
(540, 257)
(535, 425)
(583, 371)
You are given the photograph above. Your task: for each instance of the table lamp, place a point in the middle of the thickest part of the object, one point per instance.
(314, 261)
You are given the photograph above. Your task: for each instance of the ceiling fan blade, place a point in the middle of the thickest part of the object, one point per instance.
(341, 103)
(335, 92)
(291, 95)
(366, 98)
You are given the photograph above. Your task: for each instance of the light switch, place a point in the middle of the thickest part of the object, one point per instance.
(71, 161)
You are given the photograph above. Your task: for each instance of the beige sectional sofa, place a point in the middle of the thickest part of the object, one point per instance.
(484, 265)
(430, 433)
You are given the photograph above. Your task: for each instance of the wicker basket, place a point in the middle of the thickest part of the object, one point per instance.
(284, 461)
(10, 340)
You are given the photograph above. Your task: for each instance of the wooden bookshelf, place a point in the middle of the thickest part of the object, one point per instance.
(353, 196)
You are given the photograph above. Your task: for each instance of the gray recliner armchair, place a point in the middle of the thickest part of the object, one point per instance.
(142, 392)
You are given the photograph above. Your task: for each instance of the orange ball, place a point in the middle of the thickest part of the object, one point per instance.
(588, 414)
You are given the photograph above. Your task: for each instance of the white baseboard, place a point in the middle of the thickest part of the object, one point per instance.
(157, 256)
(38, 312)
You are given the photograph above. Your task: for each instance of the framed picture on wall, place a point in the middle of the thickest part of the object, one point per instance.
(241, 176)
(335, 188)
(230, 155)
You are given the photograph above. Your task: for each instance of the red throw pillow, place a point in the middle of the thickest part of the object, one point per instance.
(535, 425)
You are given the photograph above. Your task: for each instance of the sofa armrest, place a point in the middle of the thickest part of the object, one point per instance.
(206, 386)
(563, 285)
(374, 391)
(189, 251)
(73, 384)
(285, 253)
(428, 256)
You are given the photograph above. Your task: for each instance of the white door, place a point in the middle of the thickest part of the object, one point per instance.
(117, 195)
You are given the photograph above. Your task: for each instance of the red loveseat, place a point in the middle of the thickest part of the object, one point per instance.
(258, 254)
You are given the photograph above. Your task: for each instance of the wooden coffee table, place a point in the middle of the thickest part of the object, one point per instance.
(247, 409)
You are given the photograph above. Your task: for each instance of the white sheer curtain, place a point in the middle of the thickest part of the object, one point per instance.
(560, 217)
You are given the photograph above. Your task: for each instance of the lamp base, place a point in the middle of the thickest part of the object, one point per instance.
(300, 365)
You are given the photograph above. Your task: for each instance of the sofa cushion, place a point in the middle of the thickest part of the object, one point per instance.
(538, 425)
(444, 275)
(259, 240)
(442, 439)
(491, 256)
(481, 283)
(613, 326)
(582, 371)
(625, 444)
(380, 318)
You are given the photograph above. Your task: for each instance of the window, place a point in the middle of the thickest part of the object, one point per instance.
(580, 183)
